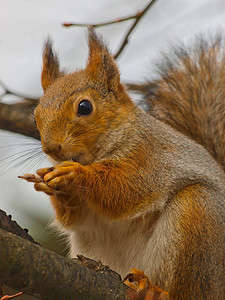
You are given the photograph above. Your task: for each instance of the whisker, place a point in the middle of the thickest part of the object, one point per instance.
(12, 168)
(39, 163)
(87, 130)
(31, 165)
(13, 146)
(27, 157)
(83, 133)
(47, 226)
(74, 125)
(15, 136)
(21, 152)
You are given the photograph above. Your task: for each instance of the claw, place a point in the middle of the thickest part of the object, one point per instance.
(31, 177)
(140, 283)
(42, 172)
(42, 187)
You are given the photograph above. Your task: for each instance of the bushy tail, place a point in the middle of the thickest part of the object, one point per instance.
(190, 94)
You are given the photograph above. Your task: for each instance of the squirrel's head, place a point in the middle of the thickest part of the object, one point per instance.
(79, 108)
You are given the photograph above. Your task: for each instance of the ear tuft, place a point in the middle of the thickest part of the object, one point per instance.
(95, 42)
(50, 69)
(101, 66)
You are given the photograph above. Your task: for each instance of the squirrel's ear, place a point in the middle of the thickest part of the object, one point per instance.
(50, 69)
(101, 66)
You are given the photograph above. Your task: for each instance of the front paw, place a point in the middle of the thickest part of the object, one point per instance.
(63, 178)
(42, 187)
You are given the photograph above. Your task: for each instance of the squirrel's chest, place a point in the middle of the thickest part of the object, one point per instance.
(113, 244)
(120, 245)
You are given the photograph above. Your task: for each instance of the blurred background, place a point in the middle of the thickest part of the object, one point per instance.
(25, 24)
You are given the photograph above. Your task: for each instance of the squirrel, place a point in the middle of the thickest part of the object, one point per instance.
(139, 188)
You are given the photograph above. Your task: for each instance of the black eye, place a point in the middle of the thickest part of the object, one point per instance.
(84, 108)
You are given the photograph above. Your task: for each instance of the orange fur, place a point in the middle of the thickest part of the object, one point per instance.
(129, 189)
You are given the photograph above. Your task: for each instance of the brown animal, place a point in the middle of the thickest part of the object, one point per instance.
(129, 189)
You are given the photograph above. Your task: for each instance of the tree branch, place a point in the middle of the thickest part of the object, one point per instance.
(36, 271)
(25, 265)
(136, 16)
(9, 225)
(19, 118)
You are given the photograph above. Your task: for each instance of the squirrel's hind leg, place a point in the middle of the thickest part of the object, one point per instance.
(140, 283)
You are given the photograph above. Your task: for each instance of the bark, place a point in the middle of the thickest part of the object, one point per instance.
(19, 118)
(9, 225)
(36, 271)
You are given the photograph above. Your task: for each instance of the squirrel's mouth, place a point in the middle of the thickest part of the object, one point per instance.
(78, 158)
(57, 160)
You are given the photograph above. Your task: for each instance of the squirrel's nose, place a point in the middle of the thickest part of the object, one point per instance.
(51, 147)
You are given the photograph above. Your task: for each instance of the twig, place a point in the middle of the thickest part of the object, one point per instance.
(139, 15)
(142, 88)
(7, 297)
(136, 16)
(95, 25)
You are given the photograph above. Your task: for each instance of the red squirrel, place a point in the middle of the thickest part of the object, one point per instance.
(136, 188)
